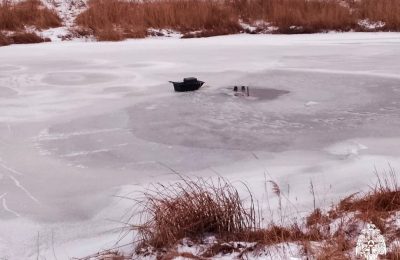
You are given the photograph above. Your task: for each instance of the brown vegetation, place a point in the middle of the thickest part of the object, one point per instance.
(119, 19)
(298, 16)
(193, 209)
(25, 37)
(386, 11)
(21, 38)
(15, 16)
(378, 203)
(4, 40)
(113, 19)
(393, 253)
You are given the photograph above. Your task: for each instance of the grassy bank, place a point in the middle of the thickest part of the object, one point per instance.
(186, 214)
(118, 19)
(18, 18)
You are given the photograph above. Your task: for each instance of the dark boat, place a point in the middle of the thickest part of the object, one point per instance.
(188, 84)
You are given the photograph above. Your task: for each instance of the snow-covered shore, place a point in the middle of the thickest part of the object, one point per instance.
(82, 122)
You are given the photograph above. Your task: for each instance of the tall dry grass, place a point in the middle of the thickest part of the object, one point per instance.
(193, 208)
(4, 40)
(298, 16)
(15, 16)
(387, 11)
(383, 198)
(120, 19)
(21, 38)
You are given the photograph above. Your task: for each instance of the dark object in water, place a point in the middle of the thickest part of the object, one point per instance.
(188, 84)
(245, 90)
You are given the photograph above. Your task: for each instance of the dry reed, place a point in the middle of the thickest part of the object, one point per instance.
(119, 19)
(387, 11)
(16, 16)
(193, 208)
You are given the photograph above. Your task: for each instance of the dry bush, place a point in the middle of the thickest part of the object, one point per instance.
(109, 35)
(377, 204)
(393, 253)
(387, 11)
(21, 38)
(273, 234)
(131, 19)
(113, 19)
(15, 16)
(316, 217)
(120, 19)
(4, 40)
(298, 16)
(24, 37)
(192, 209)
(334, 250)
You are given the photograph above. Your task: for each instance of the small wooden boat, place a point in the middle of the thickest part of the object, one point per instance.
(188, 84)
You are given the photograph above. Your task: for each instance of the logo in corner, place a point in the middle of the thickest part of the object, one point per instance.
(370, 243)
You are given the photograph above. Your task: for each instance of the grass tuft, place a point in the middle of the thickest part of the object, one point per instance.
(382, 199)
(193, 208)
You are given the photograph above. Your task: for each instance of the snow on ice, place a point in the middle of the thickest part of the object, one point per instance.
(82, 122)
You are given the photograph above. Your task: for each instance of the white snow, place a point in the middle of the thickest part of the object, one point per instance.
(82, 122)
(371, 25)
(67, 10)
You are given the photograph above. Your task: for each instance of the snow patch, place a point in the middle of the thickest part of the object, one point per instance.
(371, 25)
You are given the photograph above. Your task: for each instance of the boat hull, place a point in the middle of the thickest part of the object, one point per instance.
(187, 86)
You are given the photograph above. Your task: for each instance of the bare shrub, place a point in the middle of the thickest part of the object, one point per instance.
(193, 208)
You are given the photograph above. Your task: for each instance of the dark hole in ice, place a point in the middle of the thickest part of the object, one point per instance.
(259, 93)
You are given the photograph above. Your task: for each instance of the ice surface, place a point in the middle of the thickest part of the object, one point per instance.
(81, 122)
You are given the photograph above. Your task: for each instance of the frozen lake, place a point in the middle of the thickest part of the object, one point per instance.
(81, 122)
